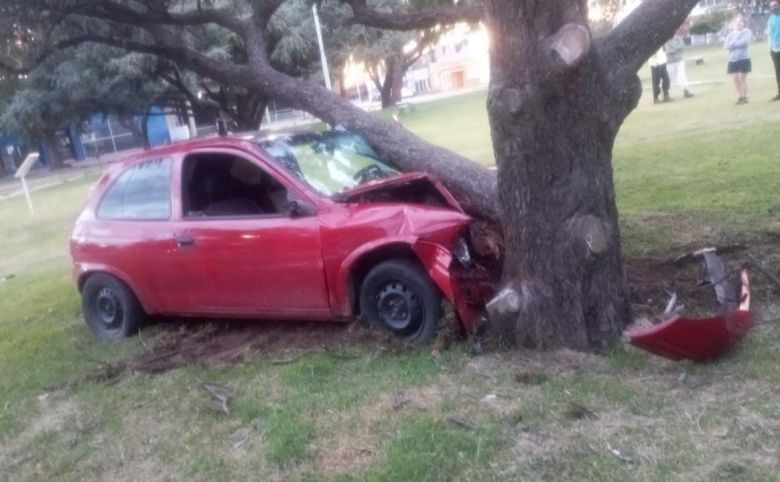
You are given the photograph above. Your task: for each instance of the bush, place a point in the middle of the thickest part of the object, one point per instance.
(710, 23)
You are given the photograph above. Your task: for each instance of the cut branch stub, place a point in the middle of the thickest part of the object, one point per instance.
(570, 44)
(593, 233)
(505, 304)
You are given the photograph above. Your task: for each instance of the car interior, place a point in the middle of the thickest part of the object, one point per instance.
(219, 185)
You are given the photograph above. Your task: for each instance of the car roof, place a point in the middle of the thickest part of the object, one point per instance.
(183, 147)
(240, 141)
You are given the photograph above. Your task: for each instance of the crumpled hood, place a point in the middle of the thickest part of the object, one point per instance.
(415, 187)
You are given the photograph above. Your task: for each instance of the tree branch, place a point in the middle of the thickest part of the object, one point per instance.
(159, 15)
(364, 15)
(642, 33)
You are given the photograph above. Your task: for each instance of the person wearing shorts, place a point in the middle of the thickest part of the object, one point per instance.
(738, 45)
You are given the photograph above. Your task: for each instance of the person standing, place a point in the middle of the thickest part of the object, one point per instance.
(675, 63)
(738, 44)
(660, 77)
(773, 28)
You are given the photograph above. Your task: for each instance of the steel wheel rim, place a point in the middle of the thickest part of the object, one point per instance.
(399, 308)
(108, 309)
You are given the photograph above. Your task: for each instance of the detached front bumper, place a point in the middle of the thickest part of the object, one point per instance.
(467, 289)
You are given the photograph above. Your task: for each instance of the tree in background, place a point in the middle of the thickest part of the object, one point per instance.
(70, 87)
(556, 101)
(387, 55)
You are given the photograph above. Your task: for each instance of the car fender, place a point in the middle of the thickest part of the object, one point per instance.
(82, 270)
(342, 287)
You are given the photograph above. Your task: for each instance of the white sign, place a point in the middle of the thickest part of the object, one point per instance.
(28, 163)
(21, 173)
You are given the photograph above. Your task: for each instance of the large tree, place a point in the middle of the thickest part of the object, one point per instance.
(556, 101)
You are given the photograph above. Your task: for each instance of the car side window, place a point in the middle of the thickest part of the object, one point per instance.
(142, 192)
(223, 185)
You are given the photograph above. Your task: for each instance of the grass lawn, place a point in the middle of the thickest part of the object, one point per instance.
(687, 173)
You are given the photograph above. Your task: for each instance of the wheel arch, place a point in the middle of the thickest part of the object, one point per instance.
(360, 263)
(88, 273)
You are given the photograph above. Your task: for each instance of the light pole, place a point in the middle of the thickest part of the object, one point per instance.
(323, 58)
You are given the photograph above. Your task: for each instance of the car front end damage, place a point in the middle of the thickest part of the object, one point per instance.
(463, 281)
(416, 210)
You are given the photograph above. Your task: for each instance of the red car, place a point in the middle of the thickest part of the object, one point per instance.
(309, 226)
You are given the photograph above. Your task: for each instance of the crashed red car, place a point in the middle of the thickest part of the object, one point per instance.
(309, 226)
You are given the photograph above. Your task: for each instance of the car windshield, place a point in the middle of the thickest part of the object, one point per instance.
(330, 162)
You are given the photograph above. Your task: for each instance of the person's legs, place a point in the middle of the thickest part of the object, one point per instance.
(776, 61)
(682, 78)
(744, 86)
(656, 79)
(665, 82)
(737, 85)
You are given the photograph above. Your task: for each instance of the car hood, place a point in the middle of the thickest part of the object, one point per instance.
(417, 187)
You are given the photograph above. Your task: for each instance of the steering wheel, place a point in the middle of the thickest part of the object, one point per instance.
(369, 173)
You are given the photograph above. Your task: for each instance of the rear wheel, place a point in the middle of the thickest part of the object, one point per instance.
(400, 297)
(110, 308)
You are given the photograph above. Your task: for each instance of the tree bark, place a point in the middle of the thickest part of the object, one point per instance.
(387, 85)
(553, 132)
(51, 144)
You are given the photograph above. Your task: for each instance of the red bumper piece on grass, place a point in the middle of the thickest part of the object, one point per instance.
(680, 338)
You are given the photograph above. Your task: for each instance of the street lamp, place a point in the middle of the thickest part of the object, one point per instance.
(323, 58)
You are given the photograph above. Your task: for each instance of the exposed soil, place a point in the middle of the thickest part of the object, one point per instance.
(653, 279)
(184, 342)
(224, 343)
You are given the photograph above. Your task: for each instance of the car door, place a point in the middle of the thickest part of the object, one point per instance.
(135, 233)
(245, 262)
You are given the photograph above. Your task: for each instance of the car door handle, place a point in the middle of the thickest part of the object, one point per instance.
(185, 241)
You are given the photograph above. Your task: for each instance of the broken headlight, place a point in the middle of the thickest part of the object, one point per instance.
(462, 252)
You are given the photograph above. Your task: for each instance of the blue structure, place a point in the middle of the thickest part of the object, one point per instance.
(100, 135)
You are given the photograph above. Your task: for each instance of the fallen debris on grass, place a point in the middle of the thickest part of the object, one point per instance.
(677, 337)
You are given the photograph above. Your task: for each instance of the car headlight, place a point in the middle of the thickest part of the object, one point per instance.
(462, 252)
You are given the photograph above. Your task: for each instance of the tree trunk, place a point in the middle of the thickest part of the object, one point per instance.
(392, 86)
(249, 112)
(553, 132)
(388, 99)
(397, 80)
(51, 144)
(145, 131)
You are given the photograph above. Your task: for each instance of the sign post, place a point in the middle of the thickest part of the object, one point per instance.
(21, 174)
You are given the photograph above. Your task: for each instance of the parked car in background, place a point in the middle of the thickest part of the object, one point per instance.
(310, 226)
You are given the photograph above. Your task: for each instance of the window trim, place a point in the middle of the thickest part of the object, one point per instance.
(122, 172)
(260, 164)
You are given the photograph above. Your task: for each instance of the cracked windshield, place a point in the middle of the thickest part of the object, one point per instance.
(330, 162)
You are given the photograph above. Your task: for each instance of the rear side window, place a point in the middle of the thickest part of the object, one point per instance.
(142, 192)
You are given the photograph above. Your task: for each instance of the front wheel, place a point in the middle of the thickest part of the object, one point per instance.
(110, 308)
(400, 297)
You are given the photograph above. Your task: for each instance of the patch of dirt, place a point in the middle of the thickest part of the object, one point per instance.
(651, 279)
(54, 414)
(220, 344)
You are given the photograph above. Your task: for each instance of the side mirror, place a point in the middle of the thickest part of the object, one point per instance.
(299, 209)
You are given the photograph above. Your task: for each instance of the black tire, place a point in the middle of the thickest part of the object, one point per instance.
(401, 298)
(110, 308)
